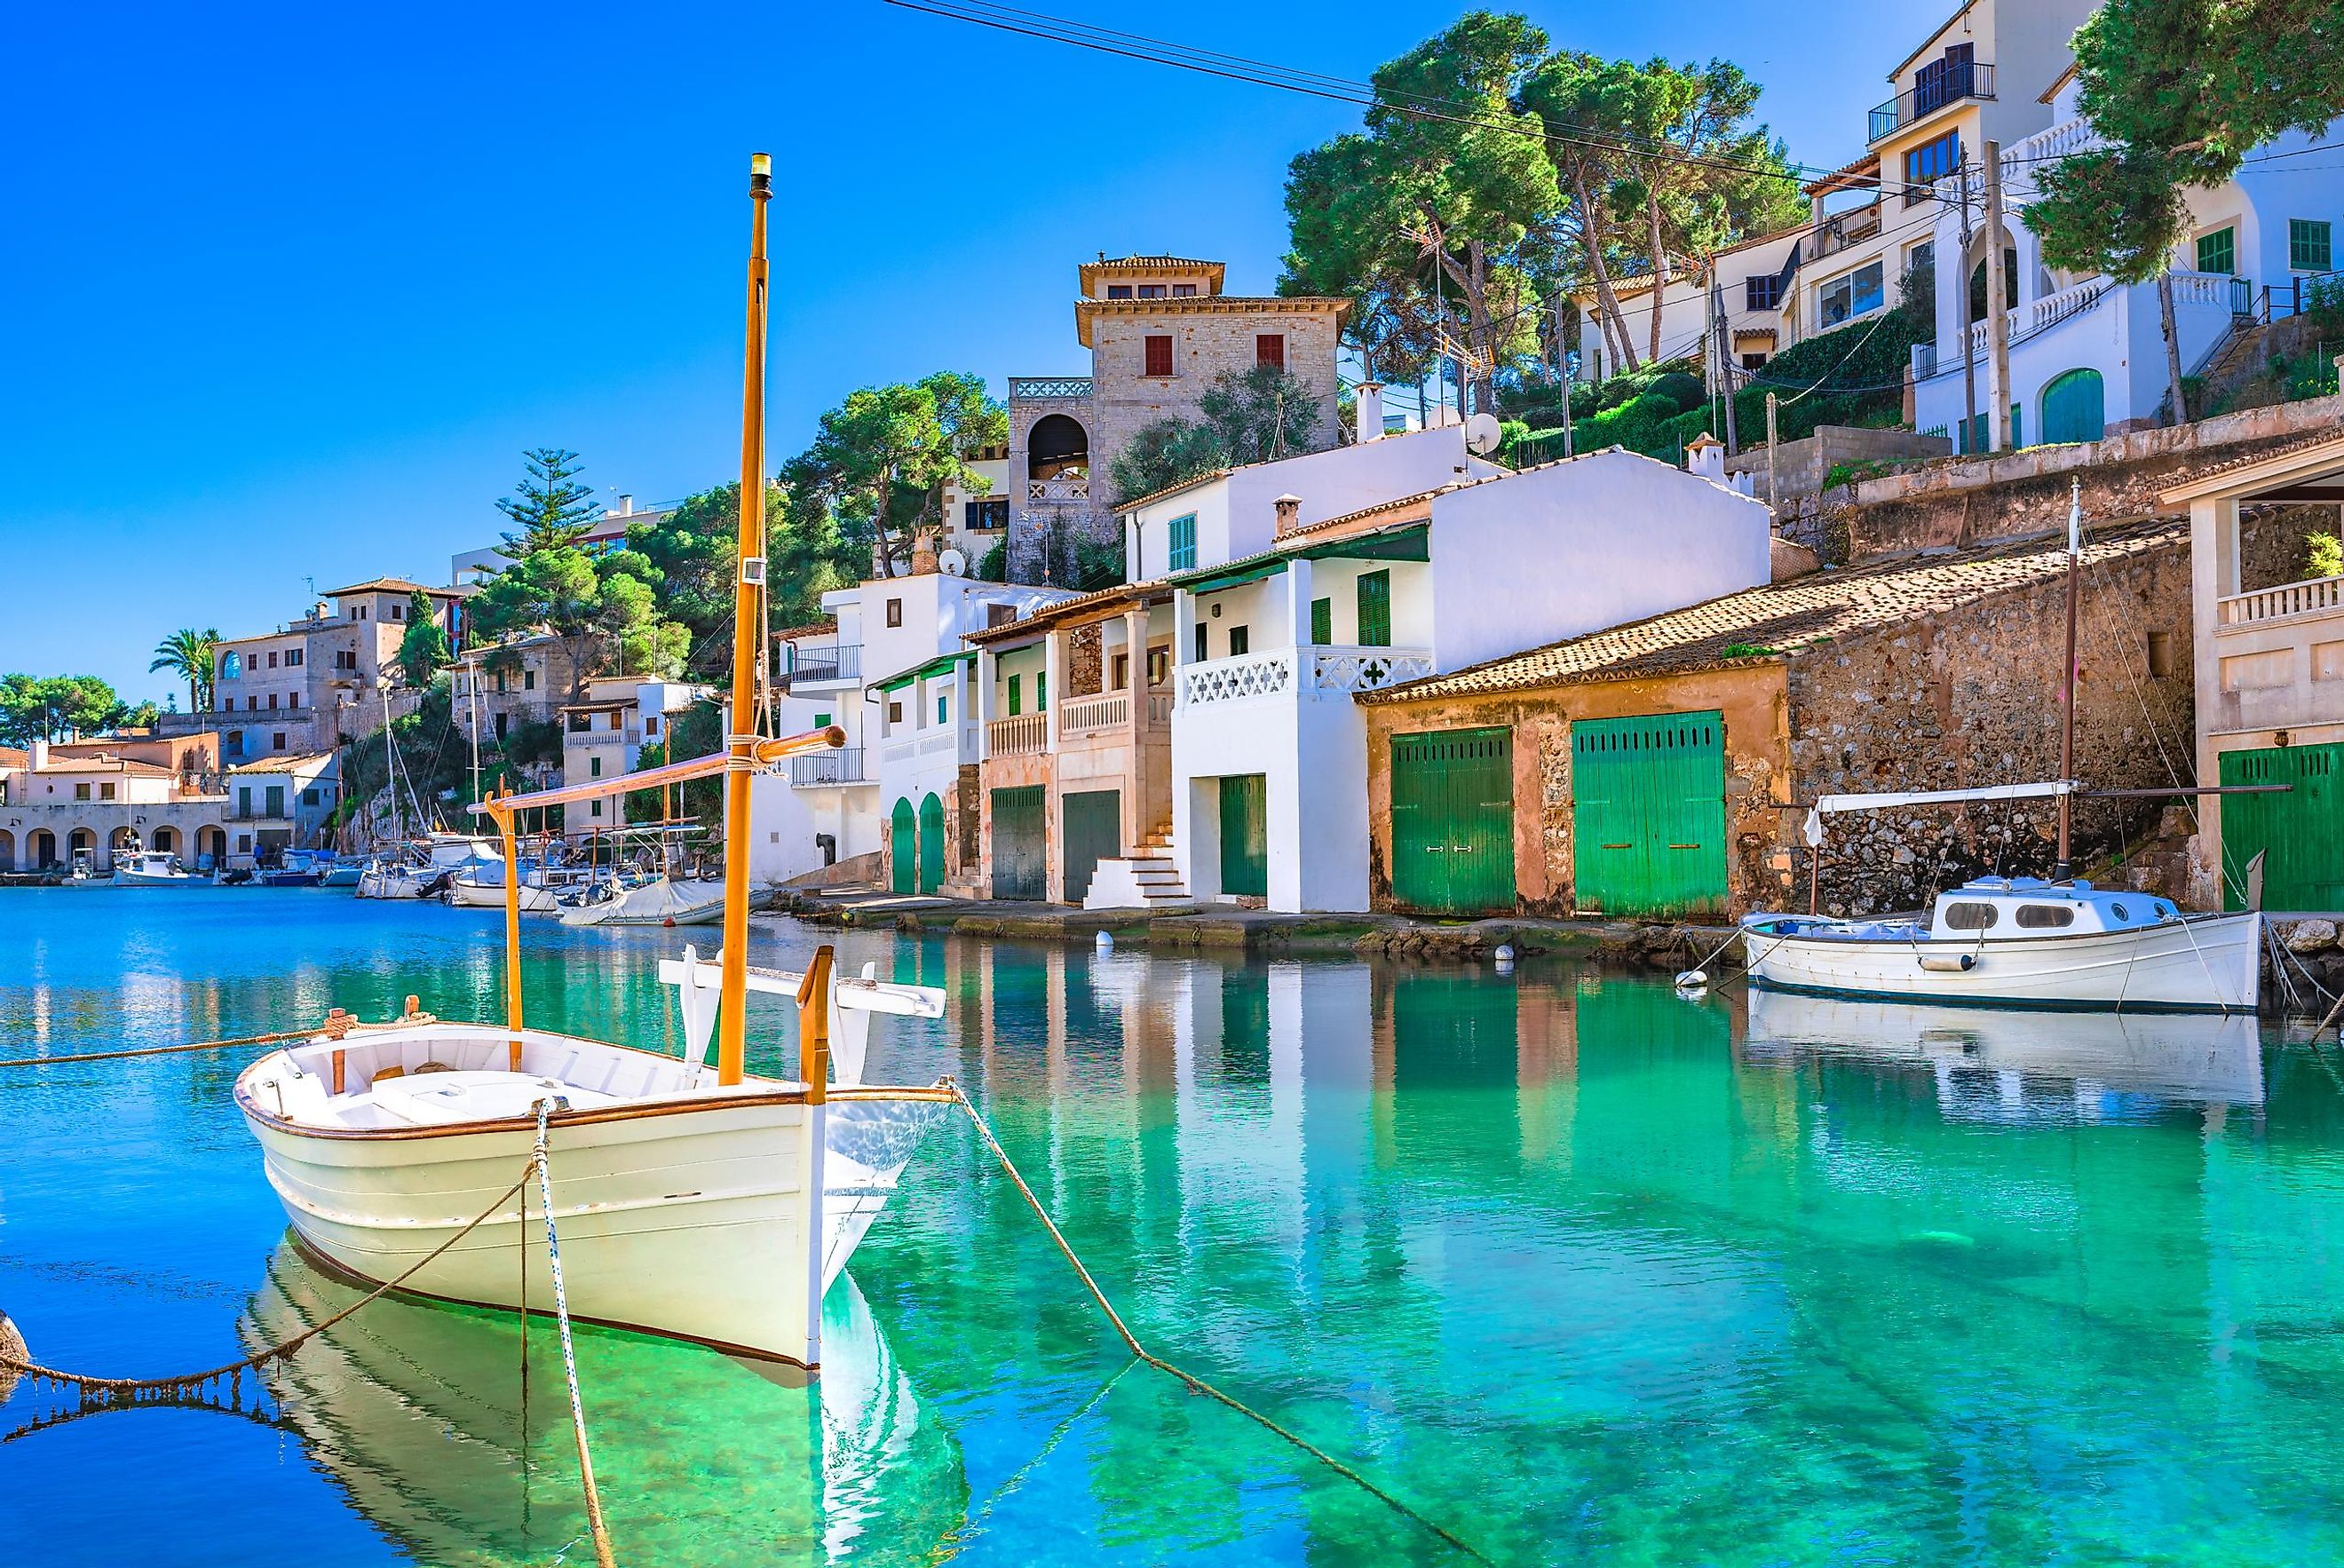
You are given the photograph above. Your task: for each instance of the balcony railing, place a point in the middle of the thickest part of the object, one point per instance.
(838, 661)
(1341, 669)
(1933, 92)
(1328, 671)
(1027, 734)
(1058, 489)
(1238, 677)
(1842, 231)
(1025, 387)
(1080, 716)
(843, 766)
(2316, 595)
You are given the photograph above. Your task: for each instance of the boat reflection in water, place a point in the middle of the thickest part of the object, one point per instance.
(419, 1411)
(1997, 1065)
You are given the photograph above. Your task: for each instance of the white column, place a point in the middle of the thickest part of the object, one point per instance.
(1054, 667)
(1184, 629)
(1297, 606)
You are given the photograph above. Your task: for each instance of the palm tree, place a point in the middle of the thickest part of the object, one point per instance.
(189, 654)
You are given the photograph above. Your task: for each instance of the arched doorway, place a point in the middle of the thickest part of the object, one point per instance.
(903, 839)
(2009, 284)
(83, 844)
(1057, 448)
(7, 850)
(2074, 407)
(211, 847)
(166, 840)
(40, 850)
(932, 844)
(122, 841)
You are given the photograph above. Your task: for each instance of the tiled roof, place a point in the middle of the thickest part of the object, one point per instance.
(1060, 612)
(1789, 617)
(2330, 439)
(107, 764)
(1847, 177)
(12, 758)
(286, 765)
(821, 628)
(384, 585)
(1172, 490)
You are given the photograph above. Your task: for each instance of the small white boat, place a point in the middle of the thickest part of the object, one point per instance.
(425, 868)
(480, 885)
(334, 872)
(683, 1204)
(662, 901)
(153, 868)
(2020, 942)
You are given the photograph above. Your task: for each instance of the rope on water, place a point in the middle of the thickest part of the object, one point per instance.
(1194, 1383)
(269, 1039)
(543, 1168)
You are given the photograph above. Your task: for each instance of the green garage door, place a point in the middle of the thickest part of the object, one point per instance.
(1020, 842)
(1094, 831)
(1245, 835)
(1452, 821)
(2301, 834)
(1648, 814)
(902, 849)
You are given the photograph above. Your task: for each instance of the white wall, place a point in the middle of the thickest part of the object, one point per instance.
(1572, 548)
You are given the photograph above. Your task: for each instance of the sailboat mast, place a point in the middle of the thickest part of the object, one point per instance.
(732, 1039)
(2067, 683)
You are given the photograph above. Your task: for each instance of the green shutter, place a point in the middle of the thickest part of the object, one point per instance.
(1093, 833)
(1322, 621)
(1452, 822)
(1648, 814)
(1204, 642)
(1245, 835)
(1241, 640)
(2310, 244)
(1375, 610)
(1017, 695)
(1042, 692)
(2218, 251)
(1020, 847)
(2303, 853)
(1182, 535)
(902, 849)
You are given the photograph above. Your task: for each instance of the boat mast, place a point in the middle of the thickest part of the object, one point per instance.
(731, 1004)
(2066, 868)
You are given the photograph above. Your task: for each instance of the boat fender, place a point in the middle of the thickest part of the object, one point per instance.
(1104, 942)
(1949, 963)
(1693, 980)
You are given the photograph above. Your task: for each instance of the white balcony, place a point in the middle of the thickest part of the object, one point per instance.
(1058, 490)
(2318, 595)
(1328, 671)
(831, 769)
(1086, 715)
(1027, 734)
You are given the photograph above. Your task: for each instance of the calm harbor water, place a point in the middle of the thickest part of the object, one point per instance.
(1585, 1271)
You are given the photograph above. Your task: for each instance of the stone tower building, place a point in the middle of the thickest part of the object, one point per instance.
(1159, 329)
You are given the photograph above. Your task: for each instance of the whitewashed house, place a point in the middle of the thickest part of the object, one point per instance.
(1280, 611)
(604, 734)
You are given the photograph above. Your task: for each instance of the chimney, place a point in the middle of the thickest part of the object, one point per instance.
(924, 553)
(40, 750)
(1705, 456)
(1369, 402)
(626, 506)
(1290, 514)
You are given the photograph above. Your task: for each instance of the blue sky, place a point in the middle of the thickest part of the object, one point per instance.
(285, 291)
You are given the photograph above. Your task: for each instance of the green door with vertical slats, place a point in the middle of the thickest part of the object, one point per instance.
(1245, 835)
(1452, 821)
(1648, 814)
(1093, 823)
(2301, 834)
(902, 849)
(932, 844)
(1375, 609)
(1020, 842)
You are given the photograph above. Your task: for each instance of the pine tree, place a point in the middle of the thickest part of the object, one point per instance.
(551, 509)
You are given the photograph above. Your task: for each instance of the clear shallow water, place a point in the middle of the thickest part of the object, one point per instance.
(1587, 1272)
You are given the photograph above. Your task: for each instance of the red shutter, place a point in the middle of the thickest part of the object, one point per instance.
(1159, 356)
(1270, 349)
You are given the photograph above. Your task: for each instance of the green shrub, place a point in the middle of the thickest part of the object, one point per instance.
(1683, 390)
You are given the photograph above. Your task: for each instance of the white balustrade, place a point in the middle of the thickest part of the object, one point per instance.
(1111, 710)
(1023, 735)
(1160, 708)
(1341, 669)
(1058, 490)
(2312, 596)
(1238, 677)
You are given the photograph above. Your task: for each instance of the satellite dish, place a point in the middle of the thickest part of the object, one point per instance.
(954, 563)
(1482, 434)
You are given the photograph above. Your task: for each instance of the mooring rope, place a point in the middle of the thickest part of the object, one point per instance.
(269, 1039)
(1194, 1383)
(569, 1355)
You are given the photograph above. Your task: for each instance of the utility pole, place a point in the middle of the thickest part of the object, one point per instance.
(1724, 356)
(1997, 314)
(1969, 359)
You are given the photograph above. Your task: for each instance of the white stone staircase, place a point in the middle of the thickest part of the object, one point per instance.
(1148, 879)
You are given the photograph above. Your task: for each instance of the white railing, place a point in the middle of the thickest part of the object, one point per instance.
(844, 766)
(2054, 308)
(1111, 710)
(2314, 596)
(2202, 290)
(2063, 140)
(1232, 679)
(1335, 669)
(1058, 490)
(1023, 735)
(1159, 708)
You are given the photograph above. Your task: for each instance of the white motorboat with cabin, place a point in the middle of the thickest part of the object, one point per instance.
(692, 1200)
(424, 867)
(152, 868)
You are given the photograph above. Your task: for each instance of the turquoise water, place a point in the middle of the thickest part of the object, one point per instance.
(1586, 1273)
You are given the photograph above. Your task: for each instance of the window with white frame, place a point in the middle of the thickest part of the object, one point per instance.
(1844, 299)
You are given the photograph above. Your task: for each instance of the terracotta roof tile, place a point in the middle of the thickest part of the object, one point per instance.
(1059, 612)
(821, 628)
(1788, 618)
(2197, 479)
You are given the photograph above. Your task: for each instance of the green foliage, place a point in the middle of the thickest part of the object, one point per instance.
(52, 707)
(698, 732)
(434, 757)
(1680, 388)
(1163, 453)
(688, 558)
(809, 551)
(194, 657)
(1249, 417)
(2323, 555)
(993, 567)
(534, 744)
(1747, 650)
(547, 506)
(882, 458)
(1848, 473)
(423, 646)
(2323, 302)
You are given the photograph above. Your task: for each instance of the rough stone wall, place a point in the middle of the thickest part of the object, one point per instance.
(1971, 697)
(1085, 658)
(1801, 466)
(1968, 501)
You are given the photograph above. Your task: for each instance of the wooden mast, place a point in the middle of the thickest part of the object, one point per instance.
(2066, 868)
(748, 635)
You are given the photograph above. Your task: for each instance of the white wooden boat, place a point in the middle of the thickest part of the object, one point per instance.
(425, 868)
(688, 1208)
(2020, 942)
(153, 868)
(1994, 1063)
(662, 901)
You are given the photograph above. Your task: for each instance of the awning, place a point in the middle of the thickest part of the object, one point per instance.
(1413, 543)
(1890, 800)
(929, 670)
(1232, 575)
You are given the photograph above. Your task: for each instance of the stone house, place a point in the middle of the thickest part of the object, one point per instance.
(313, 683)
(1159, 329)
(282, 803)
(603, 736)
(91, 799)
(1661, 768)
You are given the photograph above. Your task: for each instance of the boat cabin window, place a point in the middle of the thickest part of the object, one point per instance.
(2120, 912)
(1970, 917)
(2036, 916)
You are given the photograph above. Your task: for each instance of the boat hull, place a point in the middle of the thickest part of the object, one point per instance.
(481, 896)
(690, 1224)
(660, 903)
(2208, 964)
